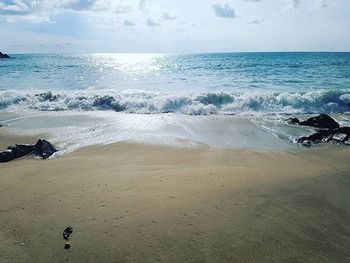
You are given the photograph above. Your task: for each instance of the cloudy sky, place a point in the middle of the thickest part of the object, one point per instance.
(174, 25)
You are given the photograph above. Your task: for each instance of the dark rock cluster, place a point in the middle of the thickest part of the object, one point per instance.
(42, 149)
(326, 130)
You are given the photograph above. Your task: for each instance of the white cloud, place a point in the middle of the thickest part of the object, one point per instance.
(19, 7)
(128, 22)
(152, 23)
(142, 4)
(80, 4)
(322, 3)
(255, 21)
(224, 10)
(168, 16)
(294, 4)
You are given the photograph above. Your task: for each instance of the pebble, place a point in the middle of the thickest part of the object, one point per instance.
(67, 245)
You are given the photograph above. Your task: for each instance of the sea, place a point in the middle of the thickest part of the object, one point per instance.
(220, 100)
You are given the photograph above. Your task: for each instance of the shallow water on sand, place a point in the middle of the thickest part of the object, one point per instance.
(70, 131)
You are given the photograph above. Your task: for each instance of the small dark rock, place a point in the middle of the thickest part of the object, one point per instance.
(67, 245)
(2, 55)
(322, 121)
(43, 149)
(67, 232)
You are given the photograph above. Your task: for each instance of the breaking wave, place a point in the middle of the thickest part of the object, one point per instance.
(327, 101)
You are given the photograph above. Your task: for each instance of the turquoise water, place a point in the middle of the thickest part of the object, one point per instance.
(224, 100)
(221, 83)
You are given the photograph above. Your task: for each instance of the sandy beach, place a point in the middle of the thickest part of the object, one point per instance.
(143, 203)
(146, 131)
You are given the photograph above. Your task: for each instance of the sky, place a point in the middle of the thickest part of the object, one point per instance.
(161, 26)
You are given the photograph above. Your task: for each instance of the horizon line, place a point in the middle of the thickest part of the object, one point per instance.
(175, 53)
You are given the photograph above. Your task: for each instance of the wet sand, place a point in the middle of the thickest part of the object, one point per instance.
(143, 203)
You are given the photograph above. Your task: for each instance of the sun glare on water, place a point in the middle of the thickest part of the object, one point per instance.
(128, 64)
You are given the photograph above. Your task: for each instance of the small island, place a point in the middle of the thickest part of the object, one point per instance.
(2, 55)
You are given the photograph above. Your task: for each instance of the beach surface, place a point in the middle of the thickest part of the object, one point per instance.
(143, 203)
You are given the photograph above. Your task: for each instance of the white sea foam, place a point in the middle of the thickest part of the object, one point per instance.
(142, 102)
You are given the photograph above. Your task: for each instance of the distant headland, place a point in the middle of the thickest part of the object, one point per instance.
(2, 55)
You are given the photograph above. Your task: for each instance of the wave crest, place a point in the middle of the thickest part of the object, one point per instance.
(333, 101)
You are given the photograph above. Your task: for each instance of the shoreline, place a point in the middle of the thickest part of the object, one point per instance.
(8, 139)
(70, 131)
(145, 203)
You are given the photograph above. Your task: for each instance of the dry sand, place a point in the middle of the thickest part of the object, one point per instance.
(142, 203)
